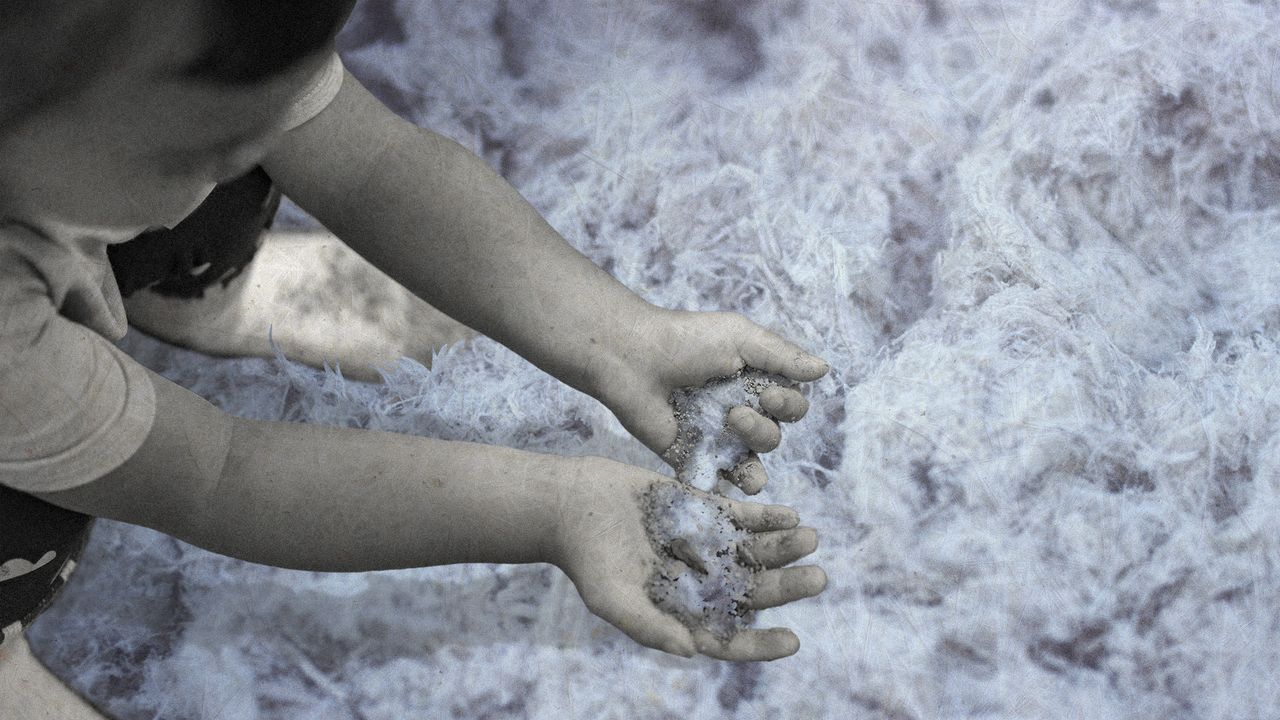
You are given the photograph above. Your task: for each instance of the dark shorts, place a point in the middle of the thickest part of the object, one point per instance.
(39, 544)
(39, 541)
(213, 244)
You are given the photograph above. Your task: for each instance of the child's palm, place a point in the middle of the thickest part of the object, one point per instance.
(605, 550)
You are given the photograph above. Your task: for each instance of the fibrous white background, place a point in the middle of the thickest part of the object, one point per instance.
(1039, 245)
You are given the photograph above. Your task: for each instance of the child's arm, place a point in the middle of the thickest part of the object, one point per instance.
(434, 217)
(336, 499)
(328, 499)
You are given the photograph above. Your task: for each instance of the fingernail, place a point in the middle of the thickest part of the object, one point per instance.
(789, 517)
(822, 581)
(771, 403)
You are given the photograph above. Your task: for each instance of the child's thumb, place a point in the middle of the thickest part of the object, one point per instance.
(647, 414)
(651, 627)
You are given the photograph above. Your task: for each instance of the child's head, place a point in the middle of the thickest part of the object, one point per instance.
(123, 113)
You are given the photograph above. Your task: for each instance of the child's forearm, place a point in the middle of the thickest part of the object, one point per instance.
(434, 217)
(331, 499)
(336, 499)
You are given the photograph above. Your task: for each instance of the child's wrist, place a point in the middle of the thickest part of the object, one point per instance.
(567, 473)
(618, 361)
(581, 481)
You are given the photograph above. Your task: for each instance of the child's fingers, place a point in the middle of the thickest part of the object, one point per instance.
(755, 517)
(781, 547)
(786, 404)
(756, 645)
(772, 588)
(759, 432)
(765, 350)
(749, 475)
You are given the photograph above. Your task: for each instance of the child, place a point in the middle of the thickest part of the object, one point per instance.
(98, 148)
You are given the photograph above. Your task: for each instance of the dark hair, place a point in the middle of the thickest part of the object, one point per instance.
(52, 49)
(249, 40)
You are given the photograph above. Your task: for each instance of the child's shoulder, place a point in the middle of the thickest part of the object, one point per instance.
(74, 403)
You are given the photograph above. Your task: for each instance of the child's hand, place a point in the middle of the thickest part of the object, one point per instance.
(672, 348)
(602, 545)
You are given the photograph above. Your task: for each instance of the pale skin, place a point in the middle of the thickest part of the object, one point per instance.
(455, 241)
(316, 299)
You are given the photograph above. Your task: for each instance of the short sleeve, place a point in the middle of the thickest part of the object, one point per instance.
(317, 94)
(73, 406)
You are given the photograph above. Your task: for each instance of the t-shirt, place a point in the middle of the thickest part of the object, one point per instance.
(73, 406)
